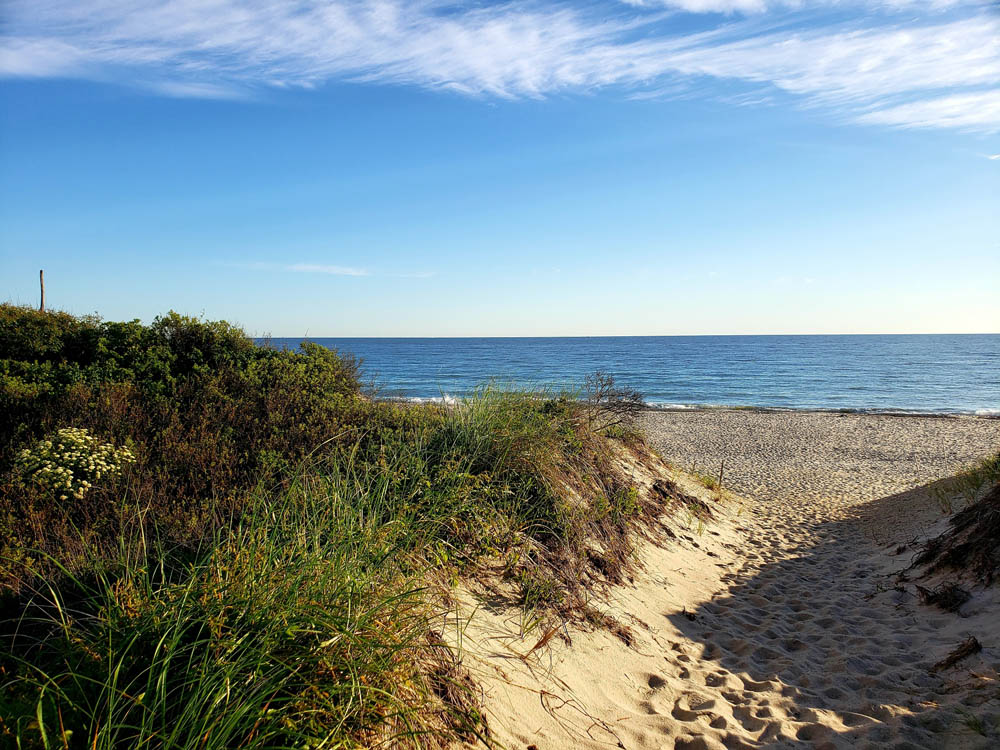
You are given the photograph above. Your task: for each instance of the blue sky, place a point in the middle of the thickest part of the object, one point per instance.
(530, 168)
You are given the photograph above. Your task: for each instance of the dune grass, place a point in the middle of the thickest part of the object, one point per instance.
(968, 484)
(300, 624)
(266, 572)
(303, 620)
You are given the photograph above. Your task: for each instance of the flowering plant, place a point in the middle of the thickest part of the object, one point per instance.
(70, 462)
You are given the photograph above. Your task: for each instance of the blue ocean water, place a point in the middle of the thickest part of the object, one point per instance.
(908, 373)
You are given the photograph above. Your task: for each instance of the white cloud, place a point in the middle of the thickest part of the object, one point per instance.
(193, 90)
(322, 268)
(979, 110)
(332, 270)
(857, 66)
(759, 6)
(38, 57)
(882, 68)
(716, 6)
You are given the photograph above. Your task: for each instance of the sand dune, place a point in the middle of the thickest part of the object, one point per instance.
(781, 624)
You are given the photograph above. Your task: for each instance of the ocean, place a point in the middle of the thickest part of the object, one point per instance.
(951, 374)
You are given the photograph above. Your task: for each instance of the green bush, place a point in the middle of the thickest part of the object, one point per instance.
(205, 413)
(71, 460)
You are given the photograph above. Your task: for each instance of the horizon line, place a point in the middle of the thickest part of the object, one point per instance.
(629, 335)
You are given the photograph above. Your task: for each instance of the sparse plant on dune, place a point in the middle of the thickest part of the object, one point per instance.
(968, 484)
(609, 405)
(972, 543)
(706, 480)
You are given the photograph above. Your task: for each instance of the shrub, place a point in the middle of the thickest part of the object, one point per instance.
(610, 406)
(205, 413)
(71, 460)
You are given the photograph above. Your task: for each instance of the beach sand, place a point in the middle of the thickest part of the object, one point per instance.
(853, 458)
(779, 624)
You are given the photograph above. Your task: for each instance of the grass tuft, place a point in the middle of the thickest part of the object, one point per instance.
(968, 484)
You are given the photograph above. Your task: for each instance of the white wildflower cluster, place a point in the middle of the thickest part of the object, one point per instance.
(71, 461)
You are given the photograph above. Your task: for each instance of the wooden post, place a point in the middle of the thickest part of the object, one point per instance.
(41, 283)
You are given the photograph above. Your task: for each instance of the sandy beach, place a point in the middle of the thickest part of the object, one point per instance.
(820, 455)
(782, 623)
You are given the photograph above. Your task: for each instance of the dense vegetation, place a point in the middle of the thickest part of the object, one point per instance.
(246, 563)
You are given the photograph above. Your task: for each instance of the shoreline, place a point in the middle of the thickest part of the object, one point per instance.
(859, 411)
(655, 407)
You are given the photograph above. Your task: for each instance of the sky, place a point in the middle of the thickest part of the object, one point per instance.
(428, 168)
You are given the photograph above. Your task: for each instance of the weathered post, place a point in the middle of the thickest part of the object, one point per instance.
(41, 283)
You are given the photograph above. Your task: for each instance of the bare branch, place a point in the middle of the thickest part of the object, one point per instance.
(610, 405)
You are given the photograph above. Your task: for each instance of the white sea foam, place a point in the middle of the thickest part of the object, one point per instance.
(443, 399)
(671, 407)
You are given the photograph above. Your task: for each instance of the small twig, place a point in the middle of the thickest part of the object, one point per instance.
(542, 641)
(966, 648)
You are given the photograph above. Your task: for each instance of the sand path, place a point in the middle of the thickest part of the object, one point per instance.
(807, 645)
(782, 626)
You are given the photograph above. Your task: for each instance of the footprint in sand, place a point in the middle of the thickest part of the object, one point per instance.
(716, 679)
(699, 742)
(691, 706)
(747, 720)
(757, 687)
(812, 732)
(655, 682)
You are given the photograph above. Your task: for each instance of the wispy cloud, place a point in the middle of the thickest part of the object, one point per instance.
(708, 6)
(331, 270)
(760, 6)
(327, 269)
(194, 90)
(979, 110)
(881, 68)
(415, 275)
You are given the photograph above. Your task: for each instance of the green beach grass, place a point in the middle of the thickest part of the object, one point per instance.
(257, 572)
